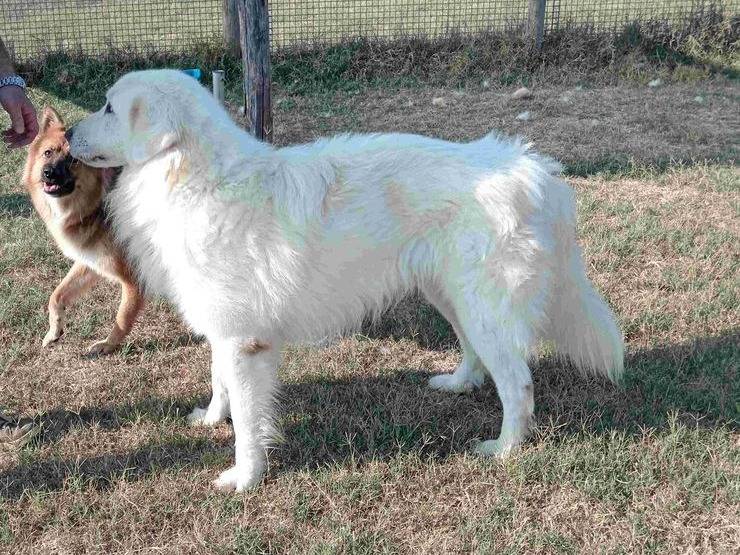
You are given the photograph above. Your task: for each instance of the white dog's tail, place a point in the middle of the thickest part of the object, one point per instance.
(579, 321)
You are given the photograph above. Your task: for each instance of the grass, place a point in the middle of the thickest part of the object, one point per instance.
(372, 461)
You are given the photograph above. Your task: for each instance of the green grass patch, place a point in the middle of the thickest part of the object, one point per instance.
(22, 308)
(724, 176)
(248, 541)
(618, 467)
(699, 378)
(6, 534)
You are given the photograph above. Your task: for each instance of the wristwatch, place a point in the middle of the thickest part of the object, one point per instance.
(13, 80)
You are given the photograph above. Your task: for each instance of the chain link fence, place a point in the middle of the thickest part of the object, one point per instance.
(32, 27)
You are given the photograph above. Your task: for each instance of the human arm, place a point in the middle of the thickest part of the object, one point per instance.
(13, 99)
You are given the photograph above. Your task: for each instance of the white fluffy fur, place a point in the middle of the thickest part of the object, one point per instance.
(258, 246)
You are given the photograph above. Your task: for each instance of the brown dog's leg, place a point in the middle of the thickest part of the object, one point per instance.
(132, 302)
(78, 280)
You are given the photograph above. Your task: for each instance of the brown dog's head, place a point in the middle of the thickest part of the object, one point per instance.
(48, 157)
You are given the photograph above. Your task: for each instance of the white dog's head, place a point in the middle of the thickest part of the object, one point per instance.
(143, 117)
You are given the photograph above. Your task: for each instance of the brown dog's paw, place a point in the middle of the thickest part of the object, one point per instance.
(100, 348)
(51, 337)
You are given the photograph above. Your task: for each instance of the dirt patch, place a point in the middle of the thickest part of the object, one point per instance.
(611, 128)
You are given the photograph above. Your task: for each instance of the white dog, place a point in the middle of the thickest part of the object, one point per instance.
(258, 246)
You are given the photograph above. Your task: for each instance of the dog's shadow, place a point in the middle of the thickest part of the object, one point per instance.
(380, 418)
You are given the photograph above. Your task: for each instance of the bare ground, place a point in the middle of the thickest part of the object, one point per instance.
(587, 129)
(372, 461)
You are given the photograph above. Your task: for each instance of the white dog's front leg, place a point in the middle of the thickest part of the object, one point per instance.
(248, 369)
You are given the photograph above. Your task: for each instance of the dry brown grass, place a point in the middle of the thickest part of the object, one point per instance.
(372, 461)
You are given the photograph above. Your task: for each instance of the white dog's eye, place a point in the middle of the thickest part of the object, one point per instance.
(108, 108)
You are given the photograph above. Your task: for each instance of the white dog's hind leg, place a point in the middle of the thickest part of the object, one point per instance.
(466, 376)
(497, 337)
(469, 374)
(248, 368)
(514, 386)
(218, 408)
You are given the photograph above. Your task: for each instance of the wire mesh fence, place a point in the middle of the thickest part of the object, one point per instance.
(31, 27)
(311, 21)
(612, 15)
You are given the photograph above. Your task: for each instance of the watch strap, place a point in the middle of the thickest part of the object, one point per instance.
(16, 80)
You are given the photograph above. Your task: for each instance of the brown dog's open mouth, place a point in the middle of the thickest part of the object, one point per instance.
(51, 188)
(55, 189)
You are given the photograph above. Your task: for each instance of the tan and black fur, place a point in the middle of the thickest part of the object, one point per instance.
(68, 196)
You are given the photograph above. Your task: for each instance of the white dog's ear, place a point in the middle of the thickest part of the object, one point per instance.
(151, 133)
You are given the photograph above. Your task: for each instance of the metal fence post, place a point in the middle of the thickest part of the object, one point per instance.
(254, 37)
(218, 85)
(536, 24)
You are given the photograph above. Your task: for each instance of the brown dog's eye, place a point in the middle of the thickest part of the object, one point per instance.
(47, 153)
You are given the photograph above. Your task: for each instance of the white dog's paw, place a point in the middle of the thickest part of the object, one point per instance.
(197, 417)
(238, 479)
(453, 383)
(52, 336)
(205, 417)
(494, 448)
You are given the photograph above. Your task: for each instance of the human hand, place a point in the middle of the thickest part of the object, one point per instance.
(24, 124)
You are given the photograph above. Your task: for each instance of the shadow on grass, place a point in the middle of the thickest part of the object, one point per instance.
(620, 166)
(102, 472)
(380, 418)
(15, 205)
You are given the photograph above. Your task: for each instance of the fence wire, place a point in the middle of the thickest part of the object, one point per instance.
(613, 15)
(312, 21)
(31, 27)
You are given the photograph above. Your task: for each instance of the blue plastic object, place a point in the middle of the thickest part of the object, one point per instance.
(195, 73)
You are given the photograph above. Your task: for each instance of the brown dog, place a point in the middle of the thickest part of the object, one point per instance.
(68, 196)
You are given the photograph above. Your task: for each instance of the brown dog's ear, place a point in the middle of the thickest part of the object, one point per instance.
(50, 117)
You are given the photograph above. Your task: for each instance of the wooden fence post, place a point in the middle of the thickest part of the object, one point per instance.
(254, 37)
(536, 24)
(231, 27)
